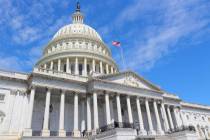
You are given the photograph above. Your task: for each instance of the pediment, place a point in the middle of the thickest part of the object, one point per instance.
(130, 79)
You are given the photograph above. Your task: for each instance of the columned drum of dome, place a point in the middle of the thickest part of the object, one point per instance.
(77, 41)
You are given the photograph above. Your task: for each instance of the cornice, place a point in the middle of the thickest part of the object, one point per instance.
(123, 85)
(14, 76)
(51, 76)
(195, 106)
(134, 74)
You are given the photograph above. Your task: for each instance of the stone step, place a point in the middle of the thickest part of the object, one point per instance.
(163, 138)
(52, 138)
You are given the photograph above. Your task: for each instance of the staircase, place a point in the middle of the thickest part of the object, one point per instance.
(52, 138)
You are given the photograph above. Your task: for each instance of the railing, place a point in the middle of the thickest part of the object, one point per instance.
(182, 128)
(114, 125)
(68, 134)
(36, 133)
(60, 74)
(98, 131)
(53, 133)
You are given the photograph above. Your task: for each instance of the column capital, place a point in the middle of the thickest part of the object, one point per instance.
(89, 94)
(138, 97)
(147, 99)
(48, 89)
(76, 93)
(32, 87)
(117, 94)
(61, 91)
(167, 105)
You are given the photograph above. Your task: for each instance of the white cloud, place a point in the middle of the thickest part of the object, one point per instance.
(10, 63)
(29, 25)
(178, 19)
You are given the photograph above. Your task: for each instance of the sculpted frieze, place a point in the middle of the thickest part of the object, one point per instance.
(131, 81)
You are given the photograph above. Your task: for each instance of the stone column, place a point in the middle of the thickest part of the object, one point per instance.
(205, 133)
(76, 132)
(67, 65)
(101, 67)
(51, 65)
(108, 117)
(170, 118)
(107, 69)
(159, 128)
(183, 118)
(45, 130)
(83, 115)
(111, 111)
(141, 123)
(76, 66)
(119, 114)
(85, 66)
(59, 65)
(180, 117)
(95, 112)
(88, 114)
(151, 129)
(115, 70)
(130, 117)
(45, 66)
(112, 70)
(28, 130)
(164, 117)
(62, 132)
(94, 65)
(176, 113)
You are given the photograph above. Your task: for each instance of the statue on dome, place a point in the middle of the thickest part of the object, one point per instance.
(78, 7)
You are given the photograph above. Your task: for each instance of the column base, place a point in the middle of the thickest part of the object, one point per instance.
(151, 132)
(120, 125)
(94, 132)
(89, 133)
(76, 133)
(160, 132)
(62, 133)
(27, 132)
(45, 133)
(142, 132)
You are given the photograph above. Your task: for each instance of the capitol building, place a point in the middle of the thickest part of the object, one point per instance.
(77, 92)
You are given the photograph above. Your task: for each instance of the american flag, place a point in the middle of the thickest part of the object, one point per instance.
(116, 43)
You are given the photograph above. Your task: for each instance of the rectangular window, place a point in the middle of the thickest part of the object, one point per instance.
(80, 69)
(2, 96)
(72, 69)
(88, 68)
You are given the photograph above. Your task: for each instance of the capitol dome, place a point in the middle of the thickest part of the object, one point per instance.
(77, 29)
(77, 49)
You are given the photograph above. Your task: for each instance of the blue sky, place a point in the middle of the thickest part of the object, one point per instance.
(166, 41)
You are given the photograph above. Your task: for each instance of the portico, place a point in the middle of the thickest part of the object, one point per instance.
(138, 109)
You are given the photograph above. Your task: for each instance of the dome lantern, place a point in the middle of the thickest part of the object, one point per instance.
(77, 16)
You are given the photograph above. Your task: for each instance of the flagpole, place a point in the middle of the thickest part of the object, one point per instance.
(122, 57)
